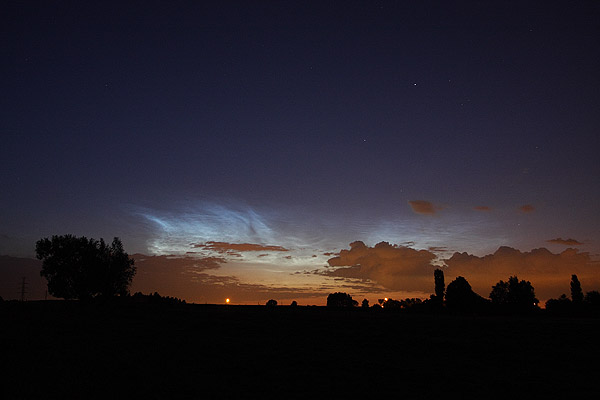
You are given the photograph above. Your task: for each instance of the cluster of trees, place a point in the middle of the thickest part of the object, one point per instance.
(84, 269)
(511, 296)
(578, 303)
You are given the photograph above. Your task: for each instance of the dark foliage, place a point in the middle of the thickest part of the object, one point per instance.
(590, 306)
(155, 298)
(514, 295)
(82, 268)
(408, 303)
(365, 303)
(576, 292)
(340, 299)
(461, 298)
(271, 303)
(440, 286)
(592, 298)
(562, 305)
(294, 304)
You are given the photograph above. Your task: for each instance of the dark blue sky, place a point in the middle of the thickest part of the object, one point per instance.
(301, 124)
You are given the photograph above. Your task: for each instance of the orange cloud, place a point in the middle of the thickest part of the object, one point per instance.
(402, 268)
(422, 207)
(178, 262)
(394, 267)
(224, 247)
(549, 273)
(482, 208)
(527, 208)
(566, 242)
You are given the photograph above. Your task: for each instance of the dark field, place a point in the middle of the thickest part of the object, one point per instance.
(61, 349)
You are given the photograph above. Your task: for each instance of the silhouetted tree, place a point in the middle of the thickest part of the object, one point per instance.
(562, 305)
(82, 268)
(514, 295)
(460, 296)
(410, 302)
(271, 303)
(339, 299)
(294, 303)
(391, 304)
(365, 303)
(576, 292)
(593, 298)
(440, 285)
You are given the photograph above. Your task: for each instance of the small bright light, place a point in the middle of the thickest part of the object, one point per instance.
(227, 301)
(385, 299)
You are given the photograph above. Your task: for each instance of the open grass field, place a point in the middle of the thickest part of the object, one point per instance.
(68, 350)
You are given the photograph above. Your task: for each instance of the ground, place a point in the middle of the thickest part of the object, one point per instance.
(68, 350)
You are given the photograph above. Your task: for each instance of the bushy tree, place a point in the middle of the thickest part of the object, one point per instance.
(514, 294)
(339, 299)
(562, 305)
(592, 298)
(294, 303)
(460, 296)
(82, 268)
(271, 303)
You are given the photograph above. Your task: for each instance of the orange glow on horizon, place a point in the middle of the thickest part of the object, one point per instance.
(227, 301)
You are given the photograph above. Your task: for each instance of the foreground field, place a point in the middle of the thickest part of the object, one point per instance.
(66, 350)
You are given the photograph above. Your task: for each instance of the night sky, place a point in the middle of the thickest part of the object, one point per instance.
(238, 147)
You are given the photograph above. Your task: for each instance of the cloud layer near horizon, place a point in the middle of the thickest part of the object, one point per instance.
(566, 242)
(394, 267)
(185, 278)
(403, 268)
(549, 273)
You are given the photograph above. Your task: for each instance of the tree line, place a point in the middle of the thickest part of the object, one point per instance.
(513, 296)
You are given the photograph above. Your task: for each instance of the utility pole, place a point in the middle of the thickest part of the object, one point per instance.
(23, 289)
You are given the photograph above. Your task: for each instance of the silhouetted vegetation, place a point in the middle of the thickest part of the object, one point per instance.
(562, 305)
(461, 298)
(339, 299)
(365, 303)
(408, 303)
(440, 286)
(593, 298)
(578, 305)
(576, 292)
(155, 298)
(82, 268)
(271, 303)
(294, 304)
(514, 295)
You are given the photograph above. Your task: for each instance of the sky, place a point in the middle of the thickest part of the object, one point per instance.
(284, 149)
